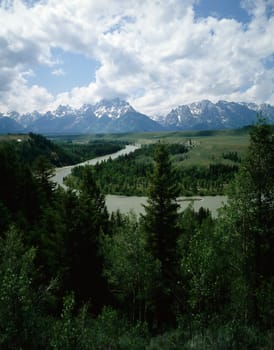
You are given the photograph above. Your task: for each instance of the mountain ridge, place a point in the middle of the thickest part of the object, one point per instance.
(118, 116)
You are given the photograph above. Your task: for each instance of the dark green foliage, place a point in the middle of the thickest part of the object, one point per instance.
(20, 321)
(129, 174)
(232, 156)
(203, 180)
(36, 146)
(230, 336)
(160, 224)
(112, 331)
(250, 217)
(17, 186)
(80, 152)
(129, 267)
(204, 260)
(162, 281)
(89, 222)
(43, 171)
(160, 220)
(72, 330)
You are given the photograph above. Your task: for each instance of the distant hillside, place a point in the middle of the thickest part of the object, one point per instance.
(29, 147)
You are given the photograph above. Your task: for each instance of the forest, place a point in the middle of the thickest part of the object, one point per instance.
(73, 276)
(129, 174)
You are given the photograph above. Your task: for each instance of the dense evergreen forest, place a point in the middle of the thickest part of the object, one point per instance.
(74, 277)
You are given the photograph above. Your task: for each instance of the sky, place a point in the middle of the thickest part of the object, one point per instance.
(156, 54)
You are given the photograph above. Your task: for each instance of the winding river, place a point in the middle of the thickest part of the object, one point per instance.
(134, 203)
(62, 172)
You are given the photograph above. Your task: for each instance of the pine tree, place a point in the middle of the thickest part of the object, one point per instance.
(89, 222)
(160, 223)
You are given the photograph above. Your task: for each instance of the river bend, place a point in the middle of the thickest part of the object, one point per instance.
(133, 203)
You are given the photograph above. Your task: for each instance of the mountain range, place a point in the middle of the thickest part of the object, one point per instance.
(117, 116)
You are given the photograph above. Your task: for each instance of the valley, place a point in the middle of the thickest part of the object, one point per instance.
(137, 175)
(126, 204)
(205, 162)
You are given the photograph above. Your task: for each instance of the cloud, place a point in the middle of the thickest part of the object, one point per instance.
(154, 53)
(58, 72)
(22, 98)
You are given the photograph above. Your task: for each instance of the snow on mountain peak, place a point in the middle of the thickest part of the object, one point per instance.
(63, 110)
(112, 108)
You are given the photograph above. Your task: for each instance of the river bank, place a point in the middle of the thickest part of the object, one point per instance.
(62, 172)
(134, 203)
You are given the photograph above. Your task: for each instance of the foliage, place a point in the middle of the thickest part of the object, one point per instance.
(80, 152)
(162, 281)
(129, 267)
(71, 332)
(129, 174)
(250, 218)
(111, 331)
(39, 146)
(160, 223)
(203, 180)
(19, 308)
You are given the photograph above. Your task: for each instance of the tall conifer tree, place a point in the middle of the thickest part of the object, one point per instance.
(160, 223)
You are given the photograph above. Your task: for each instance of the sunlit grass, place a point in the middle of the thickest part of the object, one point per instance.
(207, 146)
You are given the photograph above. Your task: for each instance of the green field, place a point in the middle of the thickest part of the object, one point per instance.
(207, 146)
(210, 149)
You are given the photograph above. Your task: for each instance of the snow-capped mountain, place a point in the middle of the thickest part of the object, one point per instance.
(116, 116)
(113, 109)
(221, 115)
(106, 116)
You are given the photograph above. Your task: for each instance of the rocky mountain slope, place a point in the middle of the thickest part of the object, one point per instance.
(222, 115)
(117, 116)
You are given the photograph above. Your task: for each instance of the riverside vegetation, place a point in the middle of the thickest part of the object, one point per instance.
(129, 174)
(73, 277)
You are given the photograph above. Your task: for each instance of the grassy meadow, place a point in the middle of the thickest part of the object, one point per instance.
(207, 146)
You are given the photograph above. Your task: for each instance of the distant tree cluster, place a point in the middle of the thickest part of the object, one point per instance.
(80, 152)
(232, 156)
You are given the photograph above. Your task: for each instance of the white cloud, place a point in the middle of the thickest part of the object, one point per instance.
(152, 52)
(58, 72)
(20, 97)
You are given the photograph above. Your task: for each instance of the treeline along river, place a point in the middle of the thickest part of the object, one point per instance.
(135, 203)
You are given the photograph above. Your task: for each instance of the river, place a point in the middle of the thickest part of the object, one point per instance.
(62, 172)
(134, 203)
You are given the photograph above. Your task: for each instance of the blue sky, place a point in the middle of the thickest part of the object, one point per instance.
(63, 75)
(157, 54)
